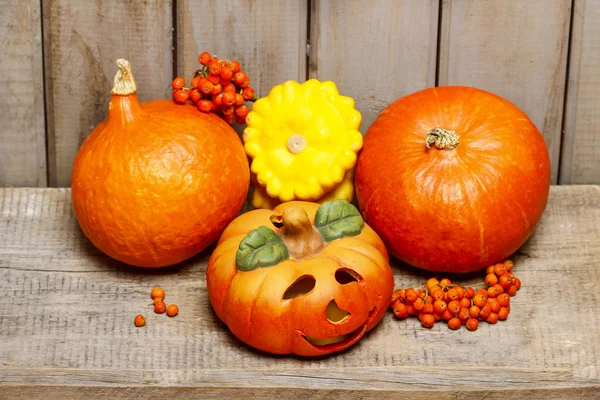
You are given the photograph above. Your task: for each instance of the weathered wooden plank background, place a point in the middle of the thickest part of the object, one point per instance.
(58, 59)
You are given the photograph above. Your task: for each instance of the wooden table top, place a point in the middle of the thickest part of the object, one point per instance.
(66, 324)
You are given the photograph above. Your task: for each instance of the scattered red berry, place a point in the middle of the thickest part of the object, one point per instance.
(172, 310)
(157, 292)
(139, 320)
(160, 307)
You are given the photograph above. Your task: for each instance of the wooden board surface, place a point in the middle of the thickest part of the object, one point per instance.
(22, 131)
(580, 158)
(66, 326)
(267, 37)
(82, 41)
(513, 48)
(375, 51)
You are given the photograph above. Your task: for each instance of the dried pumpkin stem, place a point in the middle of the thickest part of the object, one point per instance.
(124, 83)
(298, 232)
(442, 138)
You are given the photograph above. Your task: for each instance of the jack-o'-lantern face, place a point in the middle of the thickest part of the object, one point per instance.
(304, 278)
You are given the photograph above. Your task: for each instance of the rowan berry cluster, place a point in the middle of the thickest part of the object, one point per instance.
(457, 305)
(160, 307)
(220, 86)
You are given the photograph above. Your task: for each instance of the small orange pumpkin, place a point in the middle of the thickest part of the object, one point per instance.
(156, 183)
(305, 278)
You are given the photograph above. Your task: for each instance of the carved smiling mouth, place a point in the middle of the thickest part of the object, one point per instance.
(341, 341)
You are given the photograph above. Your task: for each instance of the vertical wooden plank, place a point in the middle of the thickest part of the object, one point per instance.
(374, 50)
(82, 40)
(580, 159)
(516, 49)
(22, 131)
(268, 37)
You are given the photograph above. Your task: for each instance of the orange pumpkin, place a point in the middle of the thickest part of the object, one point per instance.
(156, 183)
(312, 286)
(453, 178)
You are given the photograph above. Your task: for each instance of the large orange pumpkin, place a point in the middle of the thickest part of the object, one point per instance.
(312, 286)
(156, 183)
(453, 178)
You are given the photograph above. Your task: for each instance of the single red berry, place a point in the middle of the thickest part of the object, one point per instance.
(411, 295)
(464, 315)
(204, 58)
(246, 83)
(453, 294)
(139, 320)
(493, 291)
(480, 299)
(239, 100)
(470, 293)
(230, 88)
(195, 95)
(228, 111)
(512, 290)
(399, 295)
(447, 315)
(206, 87)
(214, 68)
(445, 282)
(157, 292)
(491, 279)
(427, 320)
(492, 318)
(228, 99)
(454, 323)
(160, 307)
(489, 270)
(431, 282)
(437, 295)
(226, 73)
(178, 83)
(196, 81)
(204, 105)
(419, 304)
(172, 310)
(494, 305)
(499, 269)
(505, 281)
(242, 111)
(503, 299)
(503, 313)
(239, 77)
(181, 96)
(439, 306)
(508, 265)
(218, 99)
(472, 324)
(235, 66)
(517, 283)
(464, 302)
(485, 311)
(474, 311)
(400, 310)
(454, 307)
(217, 89)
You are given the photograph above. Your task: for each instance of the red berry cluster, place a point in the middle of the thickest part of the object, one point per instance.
(441, 300)
(220, 86)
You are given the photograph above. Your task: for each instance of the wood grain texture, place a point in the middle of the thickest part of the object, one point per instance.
(515, 49)
(82, 41)
(375, 51)
(22, 131)
(580, 158)
(66, 324)
(268, 38)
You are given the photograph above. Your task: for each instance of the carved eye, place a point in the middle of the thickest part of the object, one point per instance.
(302, 286)
(345, 275)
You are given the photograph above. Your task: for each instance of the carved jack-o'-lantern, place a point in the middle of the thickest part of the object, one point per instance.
(305, 278)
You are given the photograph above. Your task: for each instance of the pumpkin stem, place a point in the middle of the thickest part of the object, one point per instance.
(124, 83)
(442, 138)
(298, 233)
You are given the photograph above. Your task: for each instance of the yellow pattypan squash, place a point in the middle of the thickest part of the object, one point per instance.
(303, 139)
(344, 190)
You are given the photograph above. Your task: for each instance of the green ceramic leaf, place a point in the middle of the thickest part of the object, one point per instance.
(338, 218)
(260, 248)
